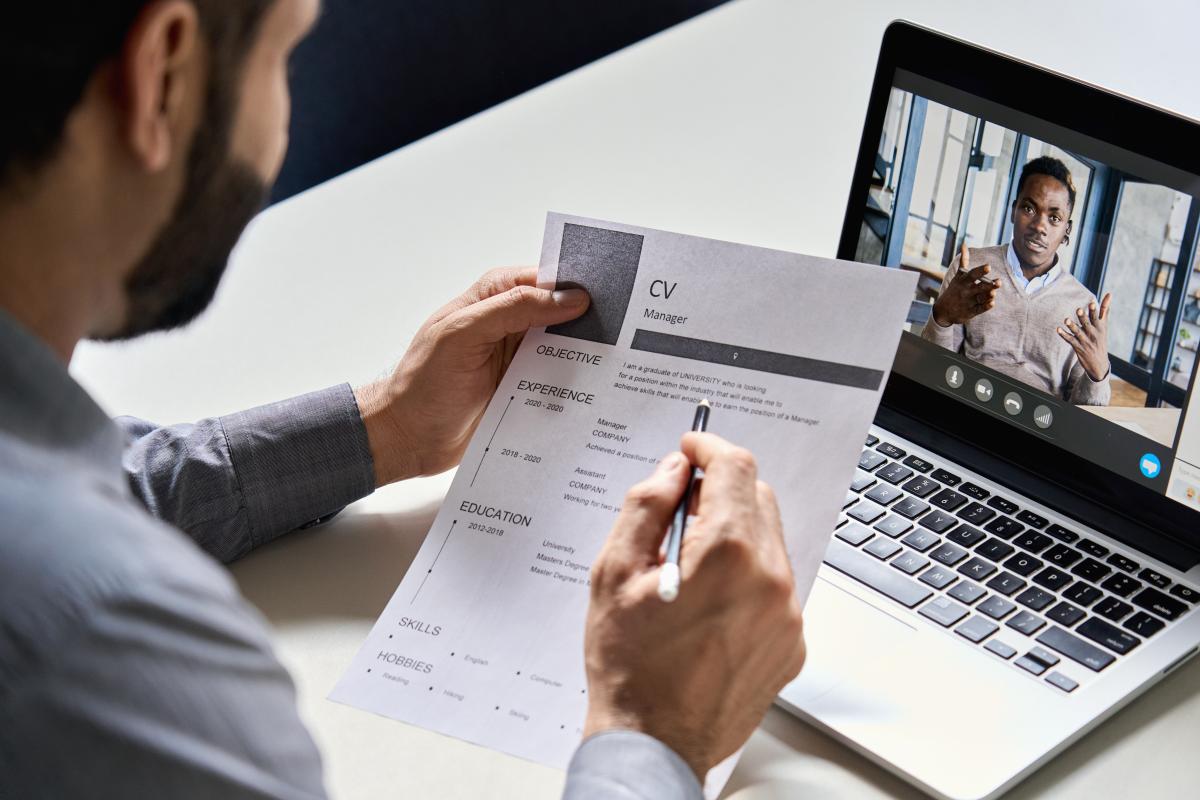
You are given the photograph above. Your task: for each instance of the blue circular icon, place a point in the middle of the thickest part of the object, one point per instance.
(1150, 465)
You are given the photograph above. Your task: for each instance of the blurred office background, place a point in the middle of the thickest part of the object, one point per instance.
(378, 74)
(1135, 239)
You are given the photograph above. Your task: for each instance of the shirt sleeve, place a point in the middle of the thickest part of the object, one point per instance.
(949, 336)
(626, 765)
(236, 482)
(1083, 391)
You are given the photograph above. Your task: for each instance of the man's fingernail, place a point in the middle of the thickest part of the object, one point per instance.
(570, 297)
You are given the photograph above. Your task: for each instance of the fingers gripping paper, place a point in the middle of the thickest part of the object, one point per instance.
(483, 639)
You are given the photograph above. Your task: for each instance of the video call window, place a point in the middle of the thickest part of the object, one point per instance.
(944, 178)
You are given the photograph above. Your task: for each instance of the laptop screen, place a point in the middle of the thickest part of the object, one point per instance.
(1076, 313)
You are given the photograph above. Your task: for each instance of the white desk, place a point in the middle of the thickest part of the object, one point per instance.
(742, 124)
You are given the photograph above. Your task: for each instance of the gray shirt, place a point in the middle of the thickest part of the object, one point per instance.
(130, 665)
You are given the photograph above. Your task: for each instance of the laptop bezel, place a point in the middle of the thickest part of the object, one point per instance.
(1095, 495)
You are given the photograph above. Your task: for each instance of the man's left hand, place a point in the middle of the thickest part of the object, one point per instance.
(1088, 337)
(420, 418)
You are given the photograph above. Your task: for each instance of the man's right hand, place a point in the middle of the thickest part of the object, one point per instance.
(697, 674)
(967, 296)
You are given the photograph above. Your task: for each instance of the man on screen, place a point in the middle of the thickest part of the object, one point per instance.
(1032, 321)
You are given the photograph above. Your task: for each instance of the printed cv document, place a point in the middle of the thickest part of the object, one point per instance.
(483, 640)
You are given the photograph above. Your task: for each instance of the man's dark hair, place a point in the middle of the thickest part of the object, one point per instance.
(50, 50)
(1048, 165)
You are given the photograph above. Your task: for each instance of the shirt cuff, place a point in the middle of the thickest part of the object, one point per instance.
(626, 765)
(299, 461)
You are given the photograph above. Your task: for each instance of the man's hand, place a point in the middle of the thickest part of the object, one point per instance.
(966, 296)
(420, 418)
(698, 674)
(1089, 338)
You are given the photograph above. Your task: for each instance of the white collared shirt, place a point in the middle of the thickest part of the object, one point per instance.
(1040, 282)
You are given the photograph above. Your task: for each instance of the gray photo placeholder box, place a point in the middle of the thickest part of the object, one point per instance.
(605, 263)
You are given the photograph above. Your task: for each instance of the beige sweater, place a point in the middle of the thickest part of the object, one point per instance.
(1018, 337)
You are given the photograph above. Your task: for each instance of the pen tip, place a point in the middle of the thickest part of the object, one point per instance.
(705, 403)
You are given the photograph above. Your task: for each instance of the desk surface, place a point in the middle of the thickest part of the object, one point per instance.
(742, 124)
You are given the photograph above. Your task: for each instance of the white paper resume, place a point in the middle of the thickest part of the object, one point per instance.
(483, 639)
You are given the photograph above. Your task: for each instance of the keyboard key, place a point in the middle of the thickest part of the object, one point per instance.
(949, 554)
(1066, 614)
(1154, 578)
(890, 450)
(910, 563)
(1062, 682)
(861, 481)
(920, 540)
(1062, 556)
(1083, 594)
(910, 507)
(1031, 519)
(943, 611)
(870, 460)
(1030, 665)
(996, 607)
(1092, 548)
(1035, 598)
(1112, 608)
(879, 577)
(872, 440)
(976, 629)
(1108, 635)
(921, 487)
(1023, 564)
(1075, 649)
(948, 478)
(966, 592)
(937, 521)
(1000, 648)
(994, 550)
(1006, 583)
(1043, 655)
(1091, 569)
(1143, 624)
(884, 494)
(948, 500)
(966, 536)
(976, 514)
(1002, 505)
(865, 512)
(1159, 603)
(1052, 578)
(977, 568)
(895, 473)
(1062, 534)
(883, 548)
(1184, 593)
(938, 577)
(1032, 541)
(1121, 585)
(919, 464)
(1004, 527)
(1121, 562)
(978, 492)
(853, 534)
(893, 525)
(851, 499)
(1026, 623)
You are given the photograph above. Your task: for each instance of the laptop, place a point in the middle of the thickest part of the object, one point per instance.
(1018, 555)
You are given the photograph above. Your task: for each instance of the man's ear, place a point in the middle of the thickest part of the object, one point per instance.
(160, 73)
(1070, 222)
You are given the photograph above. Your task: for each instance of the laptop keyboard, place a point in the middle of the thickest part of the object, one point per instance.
(995, 571)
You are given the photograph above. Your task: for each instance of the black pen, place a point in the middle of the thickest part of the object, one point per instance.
(668, 577)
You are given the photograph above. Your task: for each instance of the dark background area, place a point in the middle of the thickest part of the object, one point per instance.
(378, 74)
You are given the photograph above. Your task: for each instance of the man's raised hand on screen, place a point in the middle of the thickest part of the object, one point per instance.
(1088, 337)
(967, 295)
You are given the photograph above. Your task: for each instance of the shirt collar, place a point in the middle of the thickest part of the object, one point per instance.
(42, 405)
(1031, 285)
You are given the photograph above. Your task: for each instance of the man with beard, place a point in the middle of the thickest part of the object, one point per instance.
(1032, 321)
(140, 136)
